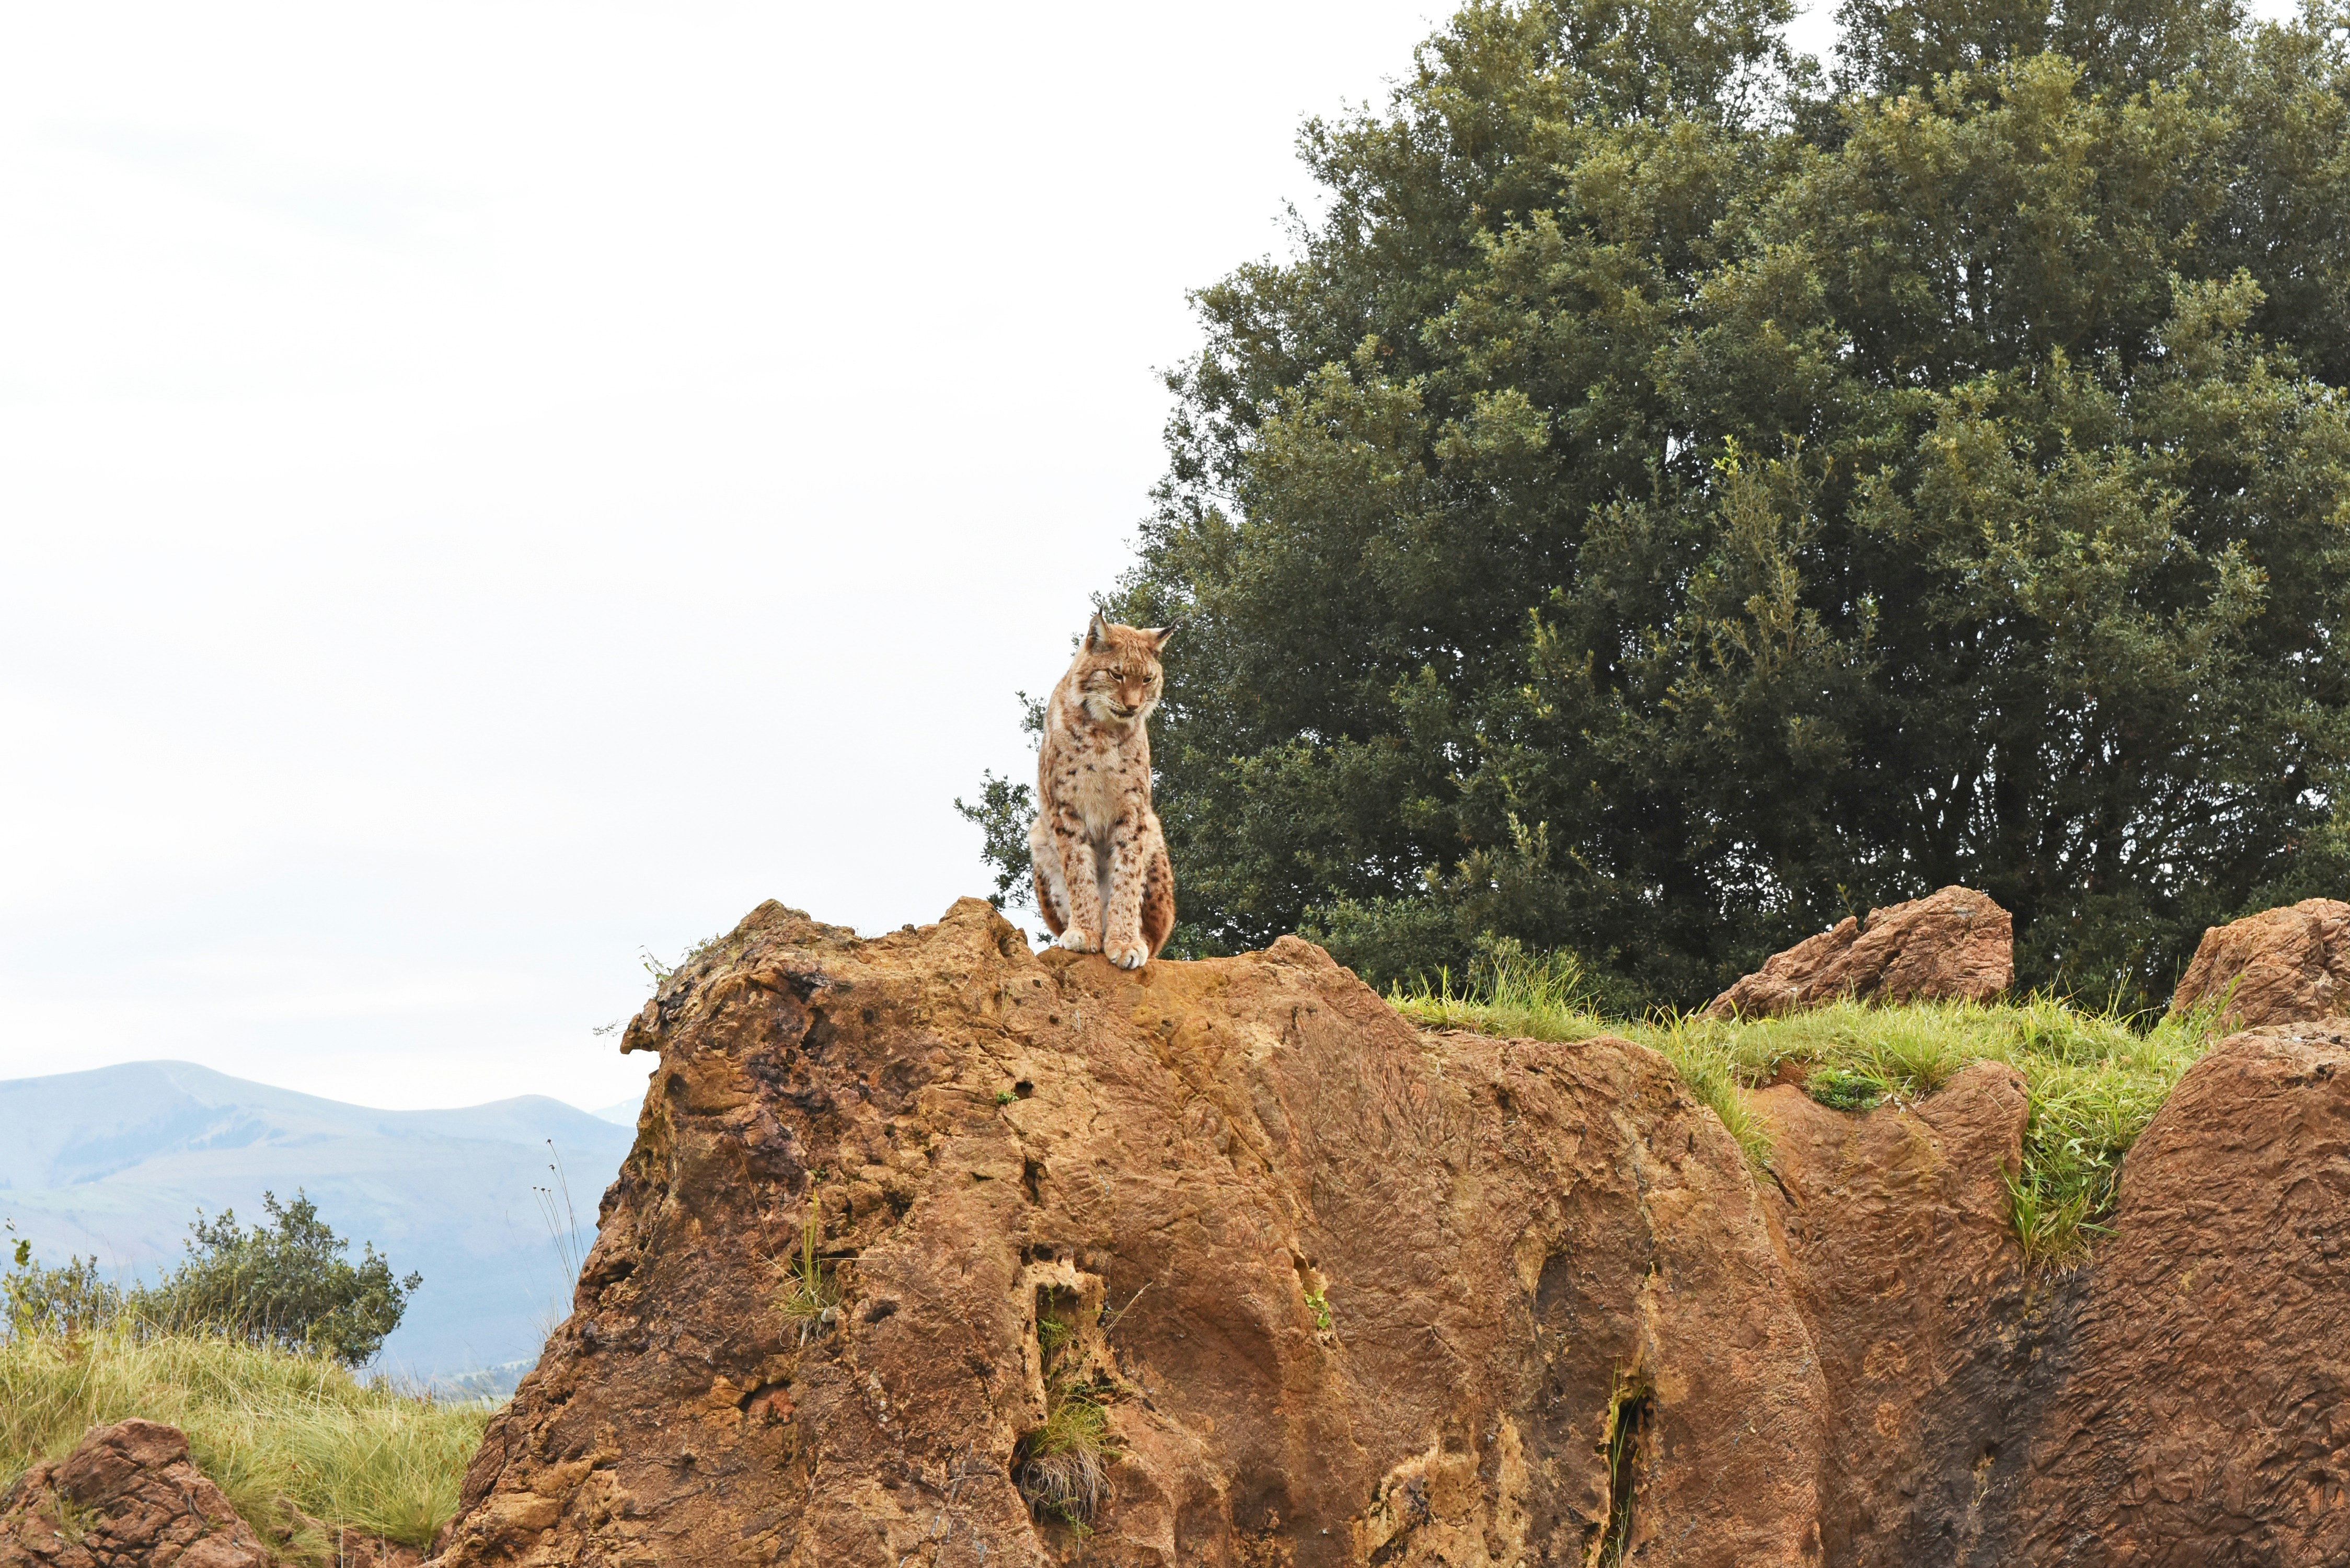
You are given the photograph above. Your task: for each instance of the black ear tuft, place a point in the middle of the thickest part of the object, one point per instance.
(1159, 634)
(1096, 632)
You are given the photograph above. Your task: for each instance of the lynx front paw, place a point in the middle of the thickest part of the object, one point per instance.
(1078, 941)
(1133, 957)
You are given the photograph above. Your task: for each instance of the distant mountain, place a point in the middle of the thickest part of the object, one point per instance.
(623, 1113)
(115, 1162)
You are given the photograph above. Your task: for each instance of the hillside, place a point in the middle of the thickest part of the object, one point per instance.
(116, 1161)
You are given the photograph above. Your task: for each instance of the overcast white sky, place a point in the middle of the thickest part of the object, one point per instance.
(488, 487)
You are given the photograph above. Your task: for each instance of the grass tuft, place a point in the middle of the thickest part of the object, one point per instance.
(264, 1423)
(2095, 1077)
(811, 1295)
(1063, 1466)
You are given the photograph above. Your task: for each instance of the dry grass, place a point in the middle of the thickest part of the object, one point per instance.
(262, 1423)
(1064, 1465)
(2095, 1077)
(1065, 1468)
(811, 1296)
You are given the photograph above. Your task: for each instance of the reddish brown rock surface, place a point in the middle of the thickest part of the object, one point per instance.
(127, 1497)
(1364, 1295)
(1359, 1296)
(1898, 1226)
(2284, 966)
(1955, 944)
(2199, 1401)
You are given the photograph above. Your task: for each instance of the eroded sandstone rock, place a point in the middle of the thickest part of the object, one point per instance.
(1350, 1294)
(127, 1497)
(2177, 1401)
(2199, 1400)
(2281, 966)
(1954, 944)
(1906, 1270)
(1353, 1295)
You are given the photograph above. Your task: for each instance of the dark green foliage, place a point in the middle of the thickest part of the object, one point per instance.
(1670, 502)
(1005, 814)
(285, 1284)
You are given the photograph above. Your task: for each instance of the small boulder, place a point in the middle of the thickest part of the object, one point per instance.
(1955, 944)
(127, 1497)
(2287, 966)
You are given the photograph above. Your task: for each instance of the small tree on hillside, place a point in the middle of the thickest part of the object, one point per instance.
(285, 1284)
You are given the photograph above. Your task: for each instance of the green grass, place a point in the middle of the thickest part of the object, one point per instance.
(2094, 1079)
(810, 1295)
(262, 1423)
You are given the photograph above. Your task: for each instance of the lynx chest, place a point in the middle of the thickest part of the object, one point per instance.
(1105, 781)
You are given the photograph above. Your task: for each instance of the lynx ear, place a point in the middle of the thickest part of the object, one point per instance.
(1096, 632)
(1159, 634)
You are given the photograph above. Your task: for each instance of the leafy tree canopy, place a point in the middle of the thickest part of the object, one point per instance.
(1675, 495)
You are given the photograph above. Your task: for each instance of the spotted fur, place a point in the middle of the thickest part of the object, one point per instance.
(1102, 878)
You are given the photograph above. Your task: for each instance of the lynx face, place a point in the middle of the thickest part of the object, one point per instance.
(1118, 677)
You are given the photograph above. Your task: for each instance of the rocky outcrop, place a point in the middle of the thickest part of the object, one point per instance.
(1335, 1293)
(127, 1497)
(1347, 1293)
(2281, 966)
(2197, 1404)
(1955, 944)
(1907, 1273)
(2179, 1401)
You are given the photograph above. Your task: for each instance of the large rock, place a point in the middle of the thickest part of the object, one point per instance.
(2284, 966)
(1353, 1295)
(127, 1497)
(2180, 1401)
(2198, 1405)
(1908, 1274)
(1955, 944)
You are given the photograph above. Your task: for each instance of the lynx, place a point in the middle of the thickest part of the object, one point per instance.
(1102, 879)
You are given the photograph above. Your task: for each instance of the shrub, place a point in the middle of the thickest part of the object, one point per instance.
(285, 1284)
(69, 1300)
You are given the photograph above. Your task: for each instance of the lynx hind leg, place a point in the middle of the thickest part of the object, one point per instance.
(1157, 901)
(1045, 861)
(1048, 907)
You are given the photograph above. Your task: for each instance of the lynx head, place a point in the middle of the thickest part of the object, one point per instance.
(1116, 672)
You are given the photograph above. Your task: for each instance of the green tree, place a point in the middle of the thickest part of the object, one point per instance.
(287, 1284)
(1676, 497)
